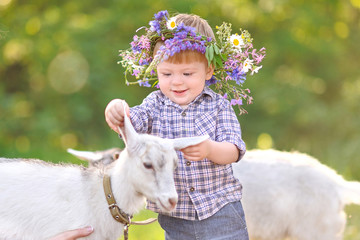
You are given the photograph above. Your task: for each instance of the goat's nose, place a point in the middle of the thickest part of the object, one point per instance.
(173, 202)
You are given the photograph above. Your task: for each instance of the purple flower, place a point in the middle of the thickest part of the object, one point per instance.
(236, 101)
(183, 46)
(180, 35)
(144, 84)
(136, 73)
(180, 42)
(158, 16)
(145, 61)
(140, 44)
(211, 81)
(258, 58)
(236, 75)
(183, 28)
(155, 26)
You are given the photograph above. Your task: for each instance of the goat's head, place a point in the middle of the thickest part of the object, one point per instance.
(155, 160)
(151, 163)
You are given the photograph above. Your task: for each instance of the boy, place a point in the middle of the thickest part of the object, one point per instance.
(183, 57)
(209, 196)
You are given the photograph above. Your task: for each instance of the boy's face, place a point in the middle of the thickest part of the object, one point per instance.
(183, 82)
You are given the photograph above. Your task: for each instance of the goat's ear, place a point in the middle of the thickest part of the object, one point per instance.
(180, 143)
(128, 132)
(85, 155)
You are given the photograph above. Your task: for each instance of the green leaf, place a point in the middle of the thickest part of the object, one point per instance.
(211, 53)
(216, 48)
(224, 57)
(207, 55)
(219, 61)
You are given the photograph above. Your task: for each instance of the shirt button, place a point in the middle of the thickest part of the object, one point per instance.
(188, 163)
(183, 114)
(192, 189)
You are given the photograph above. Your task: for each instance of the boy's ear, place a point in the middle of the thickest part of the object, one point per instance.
(209, 71)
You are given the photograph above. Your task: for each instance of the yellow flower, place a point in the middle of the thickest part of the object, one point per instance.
(237, 41)
(171, 23)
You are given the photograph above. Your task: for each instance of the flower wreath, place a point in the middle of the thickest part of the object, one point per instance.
(232, 55)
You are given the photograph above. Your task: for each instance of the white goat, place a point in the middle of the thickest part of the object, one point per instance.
(293, 196)
(288, 195)
(39, 200)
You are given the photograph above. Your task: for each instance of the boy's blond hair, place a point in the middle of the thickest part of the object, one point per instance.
(201, 26)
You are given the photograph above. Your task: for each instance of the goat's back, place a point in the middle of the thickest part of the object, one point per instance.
(39, 200)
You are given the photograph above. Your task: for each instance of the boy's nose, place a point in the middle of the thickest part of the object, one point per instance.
(177, 80)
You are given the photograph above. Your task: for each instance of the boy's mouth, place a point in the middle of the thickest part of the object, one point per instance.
(179, 92)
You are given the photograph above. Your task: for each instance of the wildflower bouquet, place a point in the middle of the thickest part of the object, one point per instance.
(232, 55)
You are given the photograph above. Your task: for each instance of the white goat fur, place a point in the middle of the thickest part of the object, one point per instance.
(39, 200)
(290, 196)
(293, 196)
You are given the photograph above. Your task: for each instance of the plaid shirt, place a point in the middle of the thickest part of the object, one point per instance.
(203, 187)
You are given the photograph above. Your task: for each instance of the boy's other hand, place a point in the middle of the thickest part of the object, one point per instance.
(217, 152)
(114, 113)
(197, 152)
(74, 234)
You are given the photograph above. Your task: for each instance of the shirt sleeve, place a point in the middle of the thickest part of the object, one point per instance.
(228, 128)
(141, 115)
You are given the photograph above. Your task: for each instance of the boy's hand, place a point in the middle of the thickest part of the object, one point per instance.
(197, 152)
(217, 152)
(74, 234)
(114, 113)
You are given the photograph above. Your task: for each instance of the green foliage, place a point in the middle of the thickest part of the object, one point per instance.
(58, 71)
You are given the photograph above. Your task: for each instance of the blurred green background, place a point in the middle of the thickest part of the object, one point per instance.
(58, 71)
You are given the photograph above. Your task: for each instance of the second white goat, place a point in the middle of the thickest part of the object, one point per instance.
(293, 196)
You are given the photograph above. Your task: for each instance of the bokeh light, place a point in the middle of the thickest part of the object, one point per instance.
(341, 29)
(264, 141)
(69, 140)
(355, 3)
(4, 3)
(33, 26)
(68, 72)
(23, 109)
(15, 50)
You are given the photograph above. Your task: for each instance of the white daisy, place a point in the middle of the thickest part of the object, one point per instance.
(248, 64)
(237, 41)
(256, 70)
(171, 23)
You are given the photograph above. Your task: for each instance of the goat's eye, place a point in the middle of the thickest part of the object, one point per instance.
(116, 156)
(148, 165)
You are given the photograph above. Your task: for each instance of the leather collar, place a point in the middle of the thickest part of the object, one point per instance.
(115, 211)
